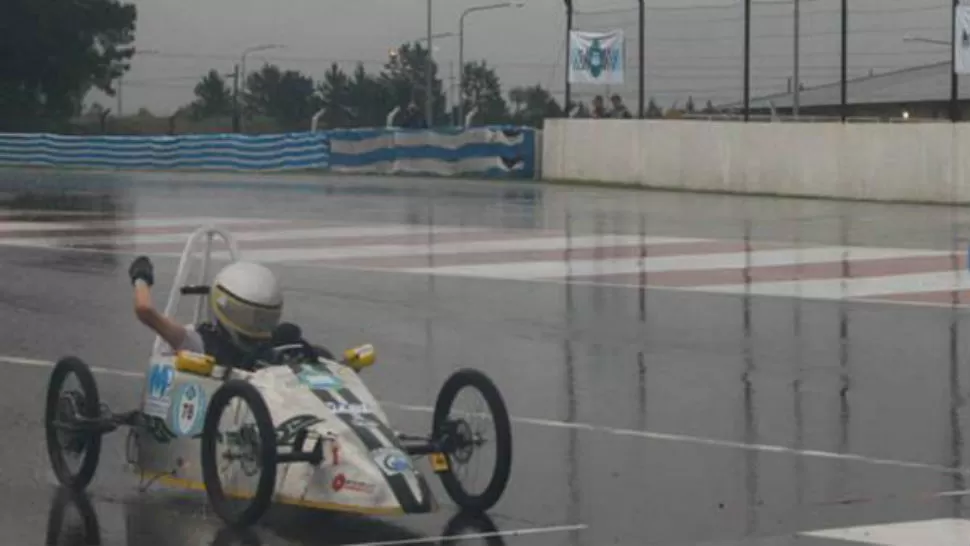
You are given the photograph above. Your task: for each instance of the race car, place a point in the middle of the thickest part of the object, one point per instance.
(315, 437)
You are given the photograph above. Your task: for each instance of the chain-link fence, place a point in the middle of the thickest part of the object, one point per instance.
(897, 61)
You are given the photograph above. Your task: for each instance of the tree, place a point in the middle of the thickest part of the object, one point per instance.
(404, 77)
(653, 111)
(213, 97)
(288, 97)
(533, 105)
(690, 104)
(370, 100)
(481, 89)
(55, 52)
(334, 93)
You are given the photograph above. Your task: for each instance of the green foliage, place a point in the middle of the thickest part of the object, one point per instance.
(286, 96)
(361, 99)
(54, 52)
(213, 97)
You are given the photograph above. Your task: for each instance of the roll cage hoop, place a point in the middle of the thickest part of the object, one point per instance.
(205, 234)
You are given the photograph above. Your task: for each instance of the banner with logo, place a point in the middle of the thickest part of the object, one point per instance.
(962, 40)
(596, 57)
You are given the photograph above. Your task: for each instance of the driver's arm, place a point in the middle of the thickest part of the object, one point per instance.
(142, 277)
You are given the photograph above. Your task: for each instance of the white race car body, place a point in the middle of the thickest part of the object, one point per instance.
(364, 469)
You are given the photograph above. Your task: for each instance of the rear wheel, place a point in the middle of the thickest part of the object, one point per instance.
(72, 398)
(252, 445)
(465, 434)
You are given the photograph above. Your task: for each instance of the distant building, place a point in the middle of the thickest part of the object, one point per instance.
(919, 92)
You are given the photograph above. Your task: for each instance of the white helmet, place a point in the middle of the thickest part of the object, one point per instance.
(247, 301)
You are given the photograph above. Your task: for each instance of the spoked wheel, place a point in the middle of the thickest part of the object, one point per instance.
(468, 437)
(71, 410)
(81, 527)
(239, 454)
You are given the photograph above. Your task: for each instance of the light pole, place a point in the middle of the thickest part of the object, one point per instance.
(428, 102)
(253, 49)
(461, 49)
(242, 62)
(796, 98)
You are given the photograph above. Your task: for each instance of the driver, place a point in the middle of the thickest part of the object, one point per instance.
(245, 299)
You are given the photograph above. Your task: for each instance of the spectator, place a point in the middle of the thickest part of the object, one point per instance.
(599, 111)
(619, 109)
(412, 117)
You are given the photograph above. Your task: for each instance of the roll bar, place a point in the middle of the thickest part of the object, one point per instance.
(179, 286)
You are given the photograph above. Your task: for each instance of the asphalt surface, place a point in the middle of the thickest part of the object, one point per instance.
(641, 416)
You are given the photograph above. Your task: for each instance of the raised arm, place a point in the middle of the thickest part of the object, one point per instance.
(142, 278)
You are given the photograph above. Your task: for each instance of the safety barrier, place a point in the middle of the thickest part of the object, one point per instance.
(507, 152)
(495, 151)
(922, 162)
(218, 151)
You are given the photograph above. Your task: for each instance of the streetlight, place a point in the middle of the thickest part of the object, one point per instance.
(461, 49)
(428, 118)
(242, 76)
(254, 49)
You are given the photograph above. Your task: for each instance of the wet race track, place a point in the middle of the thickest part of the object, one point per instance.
(681, 369)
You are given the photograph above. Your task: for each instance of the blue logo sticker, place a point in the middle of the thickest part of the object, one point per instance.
(397, 463)
(188, 410)
(160, 380)
(158, 401)
(317, 379)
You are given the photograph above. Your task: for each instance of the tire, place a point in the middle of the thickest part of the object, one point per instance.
(90, 407)
(503, 438)
(64, 499)
(267, 453)
(464, 523)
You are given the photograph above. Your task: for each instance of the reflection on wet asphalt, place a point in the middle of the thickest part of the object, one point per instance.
(641, 416)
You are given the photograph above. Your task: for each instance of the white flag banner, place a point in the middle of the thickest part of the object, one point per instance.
(596, 57)
(961, 41)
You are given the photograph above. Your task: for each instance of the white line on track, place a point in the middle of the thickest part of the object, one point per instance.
(868, 301)
(646, 434)
(464, 536)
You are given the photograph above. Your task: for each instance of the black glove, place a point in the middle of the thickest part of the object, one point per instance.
(142, 269)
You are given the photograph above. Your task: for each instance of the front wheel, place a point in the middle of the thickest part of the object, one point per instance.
(462, 440)
(252, 445)
(74, 449)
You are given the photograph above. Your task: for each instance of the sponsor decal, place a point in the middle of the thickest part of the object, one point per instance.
(319, 380)
(287, 430)
(343, 408)
(160, 378)
(392, 461)
(341, 483)
(188, 412)
(363, 419)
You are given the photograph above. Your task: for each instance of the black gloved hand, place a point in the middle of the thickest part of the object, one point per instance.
(142, 269)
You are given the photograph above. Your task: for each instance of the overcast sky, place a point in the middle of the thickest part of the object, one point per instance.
(693, 47)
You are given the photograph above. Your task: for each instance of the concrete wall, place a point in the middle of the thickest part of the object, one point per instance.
(927, 162)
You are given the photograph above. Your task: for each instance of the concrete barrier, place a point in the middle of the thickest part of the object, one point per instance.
(921, 162)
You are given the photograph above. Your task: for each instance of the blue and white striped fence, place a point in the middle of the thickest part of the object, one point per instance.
(506, 152)
(219, 151)
(502, 151)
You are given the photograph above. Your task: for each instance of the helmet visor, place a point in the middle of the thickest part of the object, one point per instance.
(243, 317)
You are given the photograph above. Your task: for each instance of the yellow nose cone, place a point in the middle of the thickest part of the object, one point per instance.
(360, 357)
